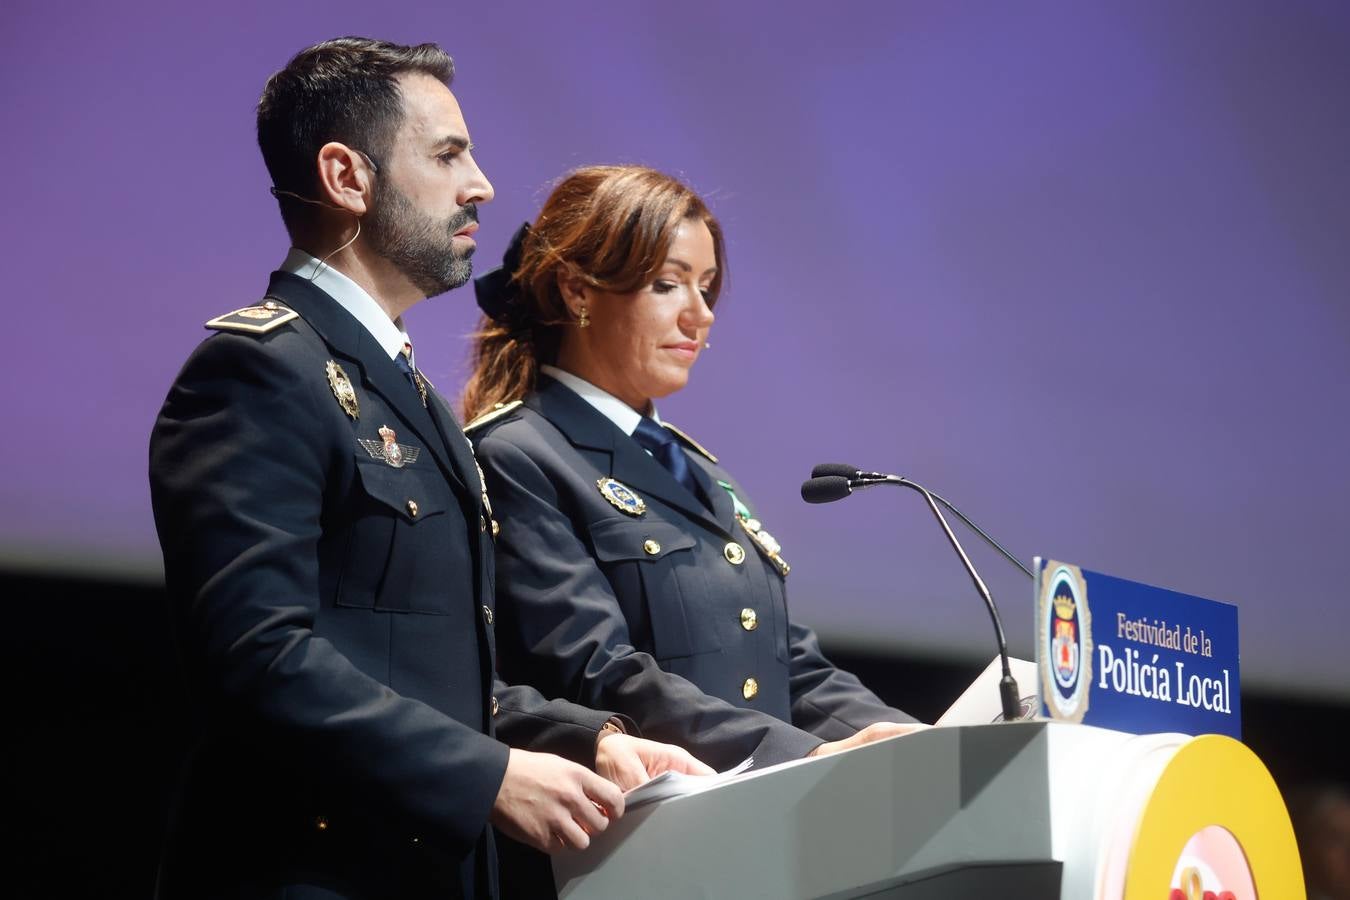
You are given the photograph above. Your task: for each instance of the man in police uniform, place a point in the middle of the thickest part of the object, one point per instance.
(328, 542)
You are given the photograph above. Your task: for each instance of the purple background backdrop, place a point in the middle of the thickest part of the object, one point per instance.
(1083, 271)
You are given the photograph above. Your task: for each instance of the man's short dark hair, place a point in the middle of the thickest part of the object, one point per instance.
(343, 90)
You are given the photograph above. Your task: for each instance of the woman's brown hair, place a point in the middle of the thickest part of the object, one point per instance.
(609, 226)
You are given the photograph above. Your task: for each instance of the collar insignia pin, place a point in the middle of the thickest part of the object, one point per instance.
(482, 485)
(487, 504)
(421, 384)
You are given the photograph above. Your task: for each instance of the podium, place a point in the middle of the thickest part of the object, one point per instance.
(1028, 809)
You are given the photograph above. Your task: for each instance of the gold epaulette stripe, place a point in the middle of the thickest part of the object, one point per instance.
(492, 415)
(690, 441)
(258, 319)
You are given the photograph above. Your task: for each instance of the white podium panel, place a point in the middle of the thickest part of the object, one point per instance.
(1017, 810)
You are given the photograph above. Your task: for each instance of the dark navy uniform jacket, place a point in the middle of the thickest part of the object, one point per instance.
(334, 613)
(648, 614)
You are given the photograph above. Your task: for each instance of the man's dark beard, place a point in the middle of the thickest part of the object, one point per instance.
(418, 245)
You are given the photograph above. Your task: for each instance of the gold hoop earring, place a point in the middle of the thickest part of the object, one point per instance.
(583, 320)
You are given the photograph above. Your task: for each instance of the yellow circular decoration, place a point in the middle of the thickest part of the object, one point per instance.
(1214, 780)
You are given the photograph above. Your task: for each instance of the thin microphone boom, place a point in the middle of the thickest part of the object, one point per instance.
(858, 479)
(829, 482)
(1007, 686)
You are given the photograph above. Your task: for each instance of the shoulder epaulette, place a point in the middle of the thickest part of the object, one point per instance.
(690, 441)
(492, 415)
(258, 319)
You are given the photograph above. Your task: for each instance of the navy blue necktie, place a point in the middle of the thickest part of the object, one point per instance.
(666, 448)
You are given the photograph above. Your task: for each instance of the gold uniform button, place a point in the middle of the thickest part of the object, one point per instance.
(651, 546)
(320, 823)
(412, 508)
(750, 689)
(270, 304)
(749, 620)
(495, 706)
(734, 553)
(496, 529)
(487, 614)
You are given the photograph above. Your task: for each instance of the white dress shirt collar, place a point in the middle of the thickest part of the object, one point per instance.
(609, 406)
(388, 333)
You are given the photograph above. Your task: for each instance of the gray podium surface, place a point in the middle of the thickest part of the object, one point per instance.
(1021, 809)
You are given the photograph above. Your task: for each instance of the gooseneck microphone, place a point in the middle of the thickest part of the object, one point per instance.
(835, 481)
(859, 479)
(826, 488)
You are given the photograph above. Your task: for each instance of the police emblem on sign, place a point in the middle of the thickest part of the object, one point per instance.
(1064, 628)
(1064, 646)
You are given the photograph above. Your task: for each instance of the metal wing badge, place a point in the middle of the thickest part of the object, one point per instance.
(395, 454)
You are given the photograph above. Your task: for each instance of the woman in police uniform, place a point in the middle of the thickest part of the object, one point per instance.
(632, 573)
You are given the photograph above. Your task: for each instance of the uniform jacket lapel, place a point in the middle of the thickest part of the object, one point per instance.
(461, 451)
(586, 427)
(350, 340)
(721, 501)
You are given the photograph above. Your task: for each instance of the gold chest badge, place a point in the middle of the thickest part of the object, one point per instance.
(342, 389)
(622, 497)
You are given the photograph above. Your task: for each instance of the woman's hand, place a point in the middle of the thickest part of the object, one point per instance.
(629, 761)
(877, 731)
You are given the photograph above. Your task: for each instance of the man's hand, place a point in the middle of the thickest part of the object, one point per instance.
(875, 732)
(550, 803)
(629, 761)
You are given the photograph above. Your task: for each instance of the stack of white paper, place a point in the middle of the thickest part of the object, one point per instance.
(678, 784)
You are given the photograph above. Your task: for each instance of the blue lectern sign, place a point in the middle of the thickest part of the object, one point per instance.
(1123, 655)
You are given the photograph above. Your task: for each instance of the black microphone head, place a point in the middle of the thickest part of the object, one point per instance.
(826, 489)
(841, 469)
